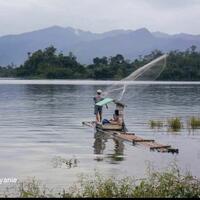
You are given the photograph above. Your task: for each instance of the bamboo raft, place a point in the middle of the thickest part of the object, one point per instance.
(134, 139)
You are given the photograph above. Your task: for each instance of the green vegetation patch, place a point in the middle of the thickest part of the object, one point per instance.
(194, 122)
(50, 64)
(168, 184)
(156, 124)
(175, 124)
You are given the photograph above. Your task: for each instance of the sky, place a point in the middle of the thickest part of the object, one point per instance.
(169, 16)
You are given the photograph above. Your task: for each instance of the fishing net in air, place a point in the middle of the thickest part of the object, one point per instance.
(148, 72)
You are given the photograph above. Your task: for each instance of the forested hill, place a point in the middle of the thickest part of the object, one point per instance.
(49, 64)
(87, 45)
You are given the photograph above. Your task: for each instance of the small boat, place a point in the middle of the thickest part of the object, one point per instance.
(112, 127)
(120, 131)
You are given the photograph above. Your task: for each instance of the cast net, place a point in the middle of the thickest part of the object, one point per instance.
(148, 72)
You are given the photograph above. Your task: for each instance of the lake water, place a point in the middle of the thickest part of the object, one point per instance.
(41, 130)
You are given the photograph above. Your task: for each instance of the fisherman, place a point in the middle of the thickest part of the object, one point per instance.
(98, 109)
(116, 119)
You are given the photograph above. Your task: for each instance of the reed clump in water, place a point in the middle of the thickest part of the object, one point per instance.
(175, 124)
(156, 124)
(194, 122)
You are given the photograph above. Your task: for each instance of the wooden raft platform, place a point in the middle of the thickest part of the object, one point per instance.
(131, 137)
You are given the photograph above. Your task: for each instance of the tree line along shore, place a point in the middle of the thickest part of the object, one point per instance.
(50, 64)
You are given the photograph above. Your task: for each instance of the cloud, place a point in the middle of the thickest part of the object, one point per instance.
(170, 16)
(171, 4)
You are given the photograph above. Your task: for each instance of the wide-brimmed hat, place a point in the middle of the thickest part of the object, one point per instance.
(99, 91)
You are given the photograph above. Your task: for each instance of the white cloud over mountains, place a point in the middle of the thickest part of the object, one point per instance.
(171, 16)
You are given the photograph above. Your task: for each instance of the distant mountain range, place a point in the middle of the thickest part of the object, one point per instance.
(87, 45)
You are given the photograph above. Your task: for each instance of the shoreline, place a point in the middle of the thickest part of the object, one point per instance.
(90, 82)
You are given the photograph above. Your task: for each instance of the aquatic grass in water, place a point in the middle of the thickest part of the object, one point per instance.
(156, 124)
(175, 124)
(194, 122)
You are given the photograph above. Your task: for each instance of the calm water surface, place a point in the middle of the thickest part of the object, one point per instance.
(40, 130)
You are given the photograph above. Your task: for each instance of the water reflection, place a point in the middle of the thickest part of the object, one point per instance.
(59, 162)
(100, 143)
(41, 121)
(100, 147)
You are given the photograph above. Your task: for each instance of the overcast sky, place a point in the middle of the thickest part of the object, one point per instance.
(170, 16)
